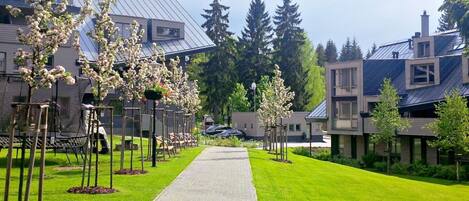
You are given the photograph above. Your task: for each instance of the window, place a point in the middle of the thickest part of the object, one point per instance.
(168, 32)
(3, 62)
(423, 74)
(245, 126)
(50, 61)
(345, 115)
(252, 126)
(4, 17)
(298, 127)
(424, 49)
(416, 150)
(123, 29)
(19, 99)
(342, 145)
(372, 106)
(291, 127)
(345, 81)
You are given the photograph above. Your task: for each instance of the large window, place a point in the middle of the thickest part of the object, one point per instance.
(423, 74)
(424, 49)
(416, 150)
(345, 115)
(168, 32)
(124, 29)
(345, 82)
(3, 62)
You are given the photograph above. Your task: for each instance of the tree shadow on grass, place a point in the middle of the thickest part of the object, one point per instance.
(17, 162)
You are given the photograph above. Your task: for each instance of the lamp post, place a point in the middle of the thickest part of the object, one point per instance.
(253, 88)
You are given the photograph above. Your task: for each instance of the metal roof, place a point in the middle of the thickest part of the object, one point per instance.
(446, 43)
(319, 113)
(450, 78)
(375, 71)
(195, 39)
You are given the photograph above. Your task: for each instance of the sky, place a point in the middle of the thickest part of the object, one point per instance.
(369, 21)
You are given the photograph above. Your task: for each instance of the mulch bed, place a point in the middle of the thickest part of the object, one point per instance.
(130, 172)
(282, 161)
(91, 190)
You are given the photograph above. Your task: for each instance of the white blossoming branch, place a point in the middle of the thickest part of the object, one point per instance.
(105, 35)
(49, 27)
(276, 100)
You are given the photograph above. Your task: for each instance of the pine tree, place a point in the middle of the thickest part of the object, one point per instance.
(287, 45)
(350, 51)
(346, 51)
(457, 11)
(356, 50)
(374, 48)
(445, 21)
(321, 55)
(219, 73)
(255, 44)
(331, 52)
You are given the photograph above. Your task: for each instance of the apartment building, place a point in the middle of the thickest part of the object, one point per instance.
(422, 69)
(165, 22)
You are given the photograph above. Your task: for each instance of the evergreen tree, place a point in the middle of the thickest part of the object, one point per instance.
(331, 52)
(315, 87)
(287, 45)
(374, 48)
(457, 11)
(255, 44)
(219, 73)
(445, 22)
(321, 55)
(350, 51)
(356, 50)
(346, 51)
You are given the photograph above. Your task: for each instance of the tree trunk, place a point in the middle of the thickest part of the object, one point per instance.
(388, 161)
(457, 170)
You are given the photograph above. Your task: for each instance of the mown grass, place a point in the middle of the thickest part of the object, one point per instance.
(141, 187)
(310, 179)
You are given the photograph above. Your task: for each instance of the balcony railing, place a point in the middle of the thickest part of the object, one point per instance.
(9, 34)
(418, 127)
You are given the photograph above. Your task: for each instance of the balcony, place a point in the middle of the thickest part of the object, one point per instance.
(417, 127)
(9, 33)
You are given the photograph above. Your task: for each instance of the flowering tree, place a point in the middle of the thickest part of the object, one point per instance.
(49, 27)
(276, 102)
(140, 73)
(105, 36)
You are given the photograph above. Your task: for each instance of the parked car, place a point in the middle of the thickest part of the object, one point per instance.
(231, 132)
(216, 129)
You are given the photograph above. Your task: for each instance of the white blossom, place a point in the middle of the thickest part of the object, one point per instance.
(276, 100)
(49, 27)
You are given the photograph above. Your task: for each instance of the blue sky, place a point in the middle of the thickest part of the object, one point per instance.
(369, 21)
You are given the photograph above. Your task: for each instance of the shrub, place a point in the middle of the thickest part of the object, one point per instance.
(323, 154)
(302, 151)
(369, 160)
(399, 168)
(380, 166)
(345, 161)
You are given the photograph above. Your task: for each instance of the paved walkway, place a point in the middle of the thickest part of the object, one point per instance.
(218, 173)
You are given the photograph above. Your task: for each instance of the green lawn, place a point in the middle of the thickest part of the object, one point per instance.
(142, 187)
(309, 179)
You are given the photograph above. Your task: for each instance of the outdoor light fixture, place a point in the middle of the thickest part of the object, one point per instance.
(253, 88)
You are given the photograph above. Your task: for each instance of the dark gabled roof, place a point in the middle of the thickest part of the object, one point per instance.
(195, 39)
(386, 51)
(375, 71)
(446, 43)
(450, 78)
(318, 113)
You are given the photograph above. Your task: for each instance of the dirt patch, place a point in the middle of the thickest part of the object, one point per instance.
(91, 190)
(67, 168)
(130, 172)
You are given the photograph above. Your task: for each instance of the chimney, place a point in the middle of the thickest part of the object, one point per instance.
(410, 43)
(425, 24)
